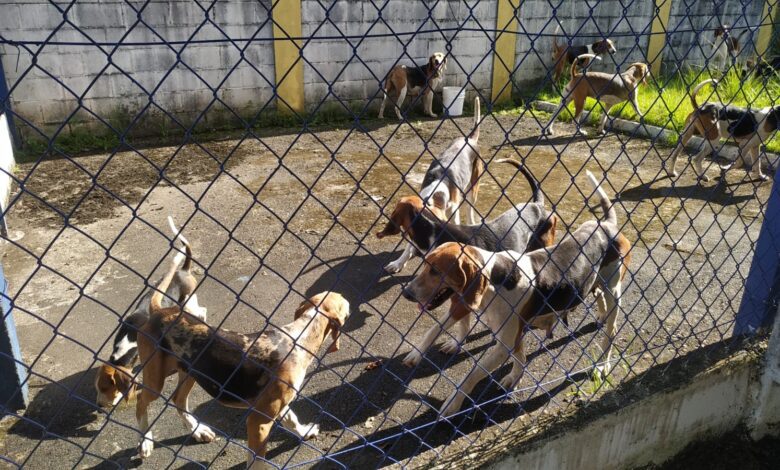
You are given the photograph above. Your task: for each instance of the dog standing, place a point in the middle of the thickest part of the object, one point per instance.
(725, 46)
(262, 371)
(563, 55)
(114, 380)
(451, 178)
(514, 291)
(607, 89)
(417, 80)
(715, 121)
(525, 227)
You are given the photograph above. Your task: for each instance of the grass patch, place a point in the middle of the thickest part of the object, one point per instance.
(666, 103)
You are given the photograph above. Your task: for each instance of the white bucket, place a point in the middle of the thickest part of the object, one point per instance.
(452, 98)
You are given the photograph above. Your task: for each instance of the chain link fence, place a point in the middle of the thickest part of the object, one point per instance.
(253, 125)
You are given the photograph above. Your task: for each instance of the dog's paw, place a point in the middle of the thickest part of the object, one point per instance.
(433, 115)
(704, 178)
(412, 358)
(146, 447)
(451, 346)
(393, 268)
(548, 131)
(509, 382)
(312, 432)
(451, 405)
(203, 434)
(583, 132)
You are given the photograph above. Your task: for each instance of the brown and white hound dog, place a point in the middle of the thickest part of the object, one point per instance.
(512, 292)
(415, 80)
(715, 121)
(451, 178)
(262, 371)
(725, 46)
(563, 55)
(524, 227)
(114, 380)
(608, 89)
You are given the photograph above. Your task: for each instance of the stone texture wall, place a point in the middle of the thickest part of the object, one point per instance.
(108, 82)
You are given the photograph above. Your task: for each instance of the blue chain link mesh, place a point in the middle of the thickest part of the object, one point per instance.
(173, 106)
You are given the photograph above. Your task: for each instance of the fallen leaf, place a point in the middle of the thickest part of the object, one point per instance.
(373, 365)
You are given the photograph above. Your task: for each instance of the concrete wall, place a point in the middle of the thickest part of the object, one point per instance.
(352, 69)
(689, 16)
(608, 18)
(135, 72)
(7, 162)
(338, 62)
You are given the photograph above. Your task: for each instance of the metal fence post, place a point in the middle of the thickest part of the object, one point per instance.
(762, 287)
(657, 41)
(766, 30)
(13, 377)
(288, 62)
(504, 50)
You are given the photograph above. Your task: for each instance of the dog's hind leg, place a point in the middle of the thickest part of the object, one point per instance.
(608, 311)
(200, 432)
(153, 381)
(710, 146)
(385, 90)
(400, 101)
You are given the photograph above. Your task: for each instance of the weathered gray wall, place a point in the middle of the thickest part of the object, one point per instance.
(351, 69)
(135, 72)
(690, 16)
(348, 67)
(608, 18)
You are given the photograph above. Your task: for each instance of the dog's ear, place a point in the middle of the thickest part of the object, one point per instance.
(474, 285)
(302, 308)
(401, 218)
(124, 383)
(439, 200)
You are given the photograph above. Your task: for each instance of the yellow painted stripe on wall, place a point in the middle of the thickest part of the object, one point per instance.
(288, 64)
(658, 37)
(768, 20)
(504, 57)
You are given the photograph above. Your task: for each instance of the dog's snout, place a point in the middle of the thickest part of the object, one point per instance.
(407, 294)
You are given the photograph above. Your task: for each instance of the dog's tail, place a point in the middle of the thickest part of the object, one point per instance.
(699, 87)
(556, 48)
(156, 302)
(187, 248)
(606, 204)
(477, 120)
(537, 195)
(580, 58)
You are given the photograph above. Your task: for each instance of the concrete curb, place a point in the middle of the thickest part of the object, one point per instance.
(730, 152)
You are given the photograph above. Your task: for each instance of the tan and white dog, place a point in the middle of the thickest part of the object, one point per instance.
(608, 89)
(115, 380)
(414, 80)
(513, 292)
(715, 121)
(262, 371)
(451, 178)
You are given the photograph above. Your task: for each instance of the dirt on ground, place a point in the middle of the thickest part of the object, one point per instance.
(276, 219)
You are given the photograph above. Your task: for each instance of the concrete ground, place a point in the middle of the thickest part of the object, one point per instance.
(268, 232)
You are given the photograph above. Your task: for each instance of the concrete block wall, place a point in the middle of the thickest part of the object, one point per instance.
(352, 69)
(584, 23)
(685, 45)
(111, 81)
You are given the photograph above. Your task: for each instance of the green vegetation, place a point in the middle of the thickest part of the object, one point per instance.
(666, 103)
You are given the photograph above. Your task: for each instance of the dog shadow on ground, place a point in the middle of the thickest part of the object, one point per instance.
(360, 279)
(719, 194)
(60, 409)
